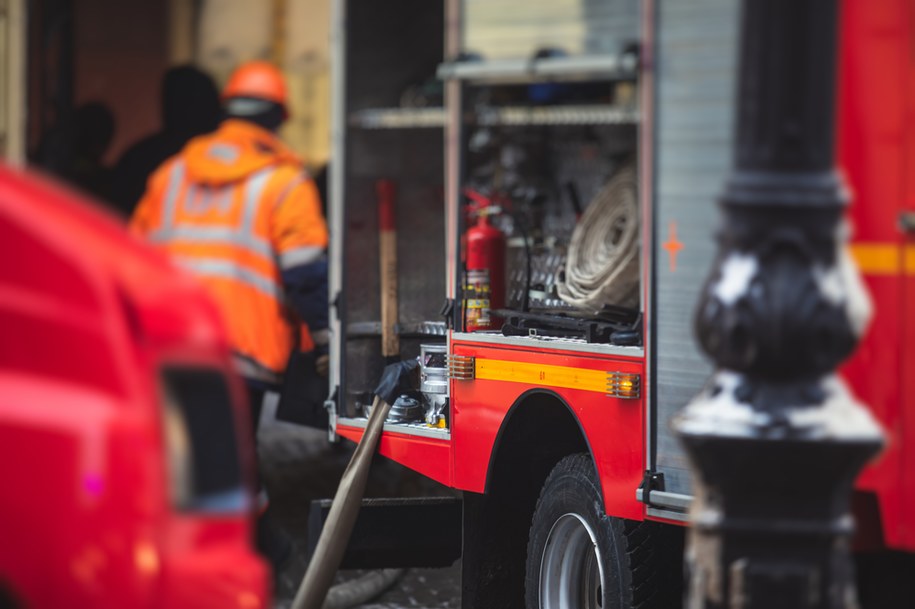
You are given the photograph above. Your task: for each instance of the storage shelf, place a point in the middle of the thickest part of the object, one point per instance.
(611, 67)
(398, 118)
(412, 118)
(598, 114)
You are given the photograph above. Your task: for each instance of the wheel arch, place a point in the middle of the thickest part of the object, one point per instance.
(539, 430)
(537, 415)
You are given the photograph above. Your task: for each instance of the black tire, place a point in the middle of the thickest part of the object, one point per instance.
(593, 560)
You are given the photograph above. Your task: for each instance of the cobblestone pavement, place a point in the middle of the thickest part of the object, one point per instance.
(299, 464)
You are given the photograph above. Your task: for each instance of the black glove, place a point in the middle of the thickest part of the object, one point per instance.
(397, 379)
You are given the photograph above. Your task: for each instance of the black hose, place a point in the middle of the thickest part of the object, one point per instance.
(522, 228)
(574, 198)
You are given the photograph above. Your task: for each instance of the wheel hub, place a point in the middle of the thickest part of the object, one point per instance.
(571, 570)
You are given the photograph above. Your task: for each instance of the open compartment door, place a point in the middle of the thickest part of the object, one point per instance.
(694, 116)
(388, 128)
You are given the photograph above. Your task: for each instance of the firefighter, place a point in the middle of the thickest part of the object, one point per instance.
(236, 208)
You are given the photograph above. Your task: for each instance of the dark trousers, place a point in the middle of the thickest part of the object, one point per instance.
(272, 543)
(256, 402)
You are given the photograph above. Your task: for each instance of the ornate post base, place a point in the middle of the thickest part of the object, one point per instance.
(771, 525)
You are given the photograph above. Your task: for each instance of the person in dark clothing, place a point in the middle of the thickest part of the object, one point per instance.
(190, 107)
(73, 149)
(94, 132)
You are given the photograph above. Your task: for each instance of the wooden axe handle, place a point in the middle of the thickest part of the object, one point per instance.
(387, 246)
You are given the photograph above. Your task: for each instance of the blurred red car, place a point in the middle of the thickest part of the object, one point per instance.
(125, 458)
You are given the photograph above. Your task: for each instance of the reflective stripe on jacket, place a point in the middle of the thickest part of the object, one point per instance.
(236, 209)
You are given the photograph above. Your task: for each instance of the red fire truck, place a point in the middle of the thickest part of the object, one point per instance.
(127, 464)
(553, 414)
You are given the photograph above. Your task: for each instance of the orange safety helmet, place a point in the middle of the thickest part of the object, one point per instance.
(260, 80)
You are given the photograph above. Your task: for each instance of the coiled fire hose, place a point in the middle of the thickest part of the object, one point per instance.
(602, 265)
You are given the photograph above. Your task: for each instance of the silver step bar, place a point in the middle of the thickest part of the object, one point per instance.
(673, 506)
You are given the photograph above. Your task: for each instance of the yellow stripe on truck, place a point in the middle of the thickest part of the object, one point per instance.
(909, 259)
(881, 258)
(542, 374)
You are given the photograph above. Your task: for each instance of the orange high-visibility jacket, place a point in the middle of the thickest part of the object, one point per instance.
(236, 208)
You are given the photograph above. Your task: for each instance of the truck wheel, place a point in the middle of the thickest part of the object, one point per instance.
(577, 556)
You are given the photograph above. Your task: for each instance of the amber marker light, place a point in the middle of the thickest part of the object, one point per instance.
(624, 385)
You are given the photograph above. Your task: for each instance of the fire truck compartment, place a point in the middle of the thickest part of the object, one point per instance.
(465, 129)
(499, 138)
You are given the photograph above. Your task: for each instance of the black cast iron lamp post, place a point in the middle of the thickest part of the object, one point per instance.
(776, 439)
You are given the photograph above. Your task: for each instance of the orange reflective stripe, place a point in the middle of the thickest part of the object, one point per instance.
(289, 187)
(300, 256)
(215, 235)
(254, 192)
(172, 192)
(200, 199)
(227, 269)
(225, 251)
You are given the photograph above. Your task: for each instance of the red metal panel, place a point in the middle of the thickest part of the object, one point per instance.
(85, 514)
(875, 60)
(614, 428)
(428, 456)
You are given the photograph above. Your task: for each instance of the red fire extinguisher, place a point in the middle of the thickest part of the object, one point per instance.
(484, 283)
